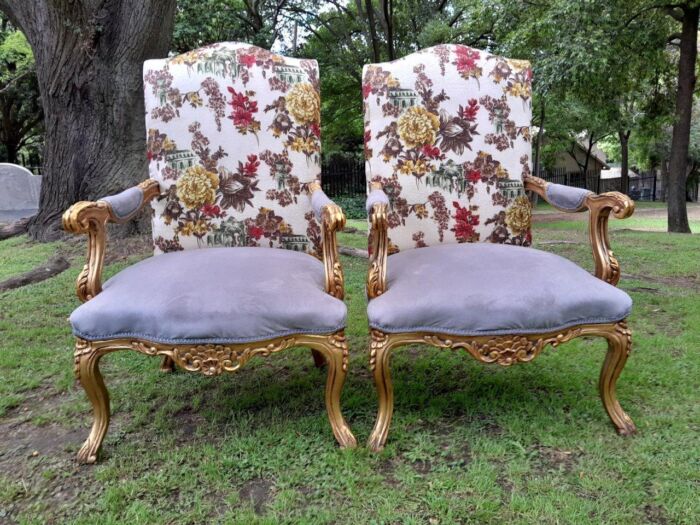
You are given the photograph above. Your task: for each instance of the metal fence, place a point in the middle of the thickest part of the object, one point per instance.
(343, 177)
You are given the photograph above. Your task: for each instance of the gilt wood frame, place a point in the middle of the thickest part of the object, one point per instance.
(506, 350)
(91, 218)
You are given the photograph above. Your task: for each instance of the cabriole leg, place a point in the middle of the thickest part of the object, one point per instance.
(88, 373)
(319, 360)
(335, 352)
(167, 365)
(379, 357)
(619, 348)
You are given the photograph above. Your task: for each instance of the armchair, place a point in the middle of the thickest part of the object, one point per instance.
(234, 159)
(447, 128)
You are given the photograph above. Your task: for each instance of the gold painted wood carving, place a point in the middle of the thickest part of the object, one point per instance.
(504, 350)
(378, 248)
(209, 360)
(92, 218)
(332, 221)
(607, 267)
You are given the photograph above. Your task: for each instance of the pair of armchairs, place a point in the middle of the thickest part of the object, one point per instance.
(233, 144)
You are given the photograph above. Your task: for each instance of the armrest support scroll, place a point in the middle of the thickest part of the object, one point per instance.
(377, 206)
(332, 219)
(92, 218)
(567, 199)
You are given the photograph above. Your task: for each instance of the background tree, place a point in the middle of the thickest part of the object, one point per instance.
(89, 56)
(20, 107)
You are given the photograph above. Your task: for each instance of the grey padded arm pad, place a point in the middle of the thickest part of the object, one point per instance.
(319, 200)
(376, 196)
(126, 203)
(565, 197)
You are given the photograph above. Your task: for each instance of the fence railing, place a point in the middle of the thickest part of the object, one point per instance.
(346, 177)
(341, 177)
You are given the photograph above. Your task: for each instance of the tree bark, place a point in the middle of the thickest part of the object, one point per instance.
(624, 136)
(678, 164)
(89, 56)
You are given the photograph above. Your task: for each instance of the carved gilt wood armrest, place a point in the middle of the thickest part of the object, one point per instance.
(377, 206)
(332, 219)
(568, 199)
(92, 218)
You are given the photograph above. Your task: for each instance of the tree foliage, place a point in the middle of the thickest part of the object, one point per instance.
(20, 107)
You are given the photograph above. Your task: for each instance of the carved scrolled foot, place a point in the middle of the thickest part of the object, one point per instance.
(619, 348)
(336, 356)
(379, 356)
(88, 373)
(167, 365)
(319, 360)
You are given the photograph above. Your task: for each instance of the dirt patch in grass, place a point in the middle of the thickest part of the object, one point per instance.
(187, 421)
(655, 514)
(38, 461)
(551, 459)
(259, 492)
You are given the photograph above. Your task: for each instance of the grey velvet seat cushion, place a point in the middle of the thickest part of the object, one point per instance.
(214, 295)
(483, 288)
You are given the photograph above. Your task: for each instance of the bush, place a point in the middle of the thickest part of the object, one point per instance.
(352, 205)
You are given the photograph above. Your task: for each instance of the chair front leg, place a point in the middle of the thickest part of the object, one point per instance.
(87, 371)
(379, 357)
(334, 349)
(619, 348)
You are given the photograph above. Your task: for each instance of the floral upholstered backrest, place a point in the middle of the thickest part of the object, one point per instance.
(447, 133)
(234, 139)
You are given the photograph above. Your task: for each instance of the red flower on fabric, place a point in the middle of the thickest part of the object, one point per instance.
(469, 113)
(250, 168)
(255, 232)
(212, 210)
(432, 152)
(316, 129)
(247, 60)
(366, 90)
(243, 109)
(466, 59)
(473, 175)
(465, 221)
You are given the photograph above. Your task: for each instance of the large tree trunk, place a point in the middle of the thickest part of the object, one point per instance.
(89, 56)
(676, 193)
(624, 136)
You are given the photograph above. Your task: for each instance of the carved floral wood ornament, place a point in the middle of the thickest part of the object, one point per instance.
(234, 155)
(449, 125)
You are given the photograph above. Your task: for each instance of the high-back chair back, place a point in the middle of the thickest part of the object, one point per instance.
(447, 134)
(234, 140)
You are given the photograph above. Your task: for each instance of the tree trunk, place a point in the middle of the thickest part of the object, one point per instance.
(624, 160)
(678, 164)
(372, 39)
(538, 142)
(89, 57)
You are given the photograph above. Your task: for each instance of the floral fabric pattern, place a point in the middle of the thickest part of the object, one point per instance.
(447, 133)
(233, 137)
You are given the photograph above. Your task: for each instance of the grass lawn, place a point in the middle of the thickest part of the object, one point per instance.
(469, 443)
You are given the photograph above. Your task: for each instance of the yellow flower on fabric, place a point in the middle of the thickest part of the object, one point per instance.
(519, 214)
(417, 168)
(501, 172)
(518, 89)
(304, 103)
(197, 228)
(421, 211)
(418, 126)
(518, 65)
(307, 145)
(197, 187)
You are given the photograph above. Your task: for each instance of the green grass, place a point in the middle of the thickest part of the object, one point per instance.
(469, 443)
